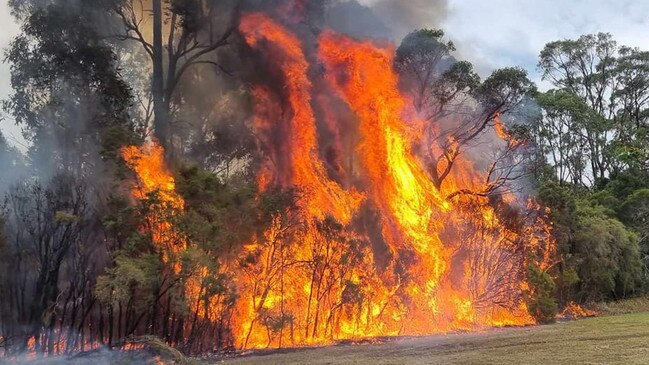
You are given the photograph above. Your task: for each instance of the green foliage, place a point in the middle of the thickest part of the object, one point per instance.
(67, 91)
(504, 89)
(606, 200)
(607, 255)
(129, 276)
(598, 114)
(593, 137)
(600, 256)
(563, 205)
(431, 73)
(425, 43)
(625, 183)
(460, 76)
(219, 215)
(634, 212)
(541, 300)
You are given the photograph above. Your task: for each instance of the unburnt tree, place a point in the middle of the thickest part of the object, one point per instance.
(67, 93)
(593, 72)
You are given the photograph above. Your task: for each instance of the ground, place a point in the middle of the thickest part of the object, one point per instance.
(620, 339)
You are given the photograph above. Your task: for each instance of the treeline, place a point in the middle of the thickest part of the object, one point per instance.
(78, 264)
(593, 158)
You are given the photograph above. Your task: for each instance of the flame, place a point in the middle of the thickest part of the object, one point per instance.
(375, 248)
(306, 171)
(414, 292)
(575, 311)
(153, 177)
(398, 182)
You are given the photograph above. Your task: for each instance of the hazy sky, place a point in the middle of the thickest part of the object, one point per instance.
(489, 33)
(8, 30)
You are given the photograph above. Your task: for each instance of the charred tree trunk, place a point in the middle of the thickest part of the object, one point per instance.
(160, 109)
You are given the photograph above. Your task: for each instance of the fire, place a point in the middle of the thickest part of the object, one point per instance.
(375, 248)
(154, 178)
(306, 169)
(397, 181)
(414, 290)
(575, 311)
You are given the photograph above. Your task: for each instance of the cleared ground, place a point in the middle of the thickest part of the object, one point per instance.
(621, 339)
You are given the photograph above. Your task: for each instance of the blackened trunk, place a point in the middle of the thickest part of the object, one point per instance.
(161, 112)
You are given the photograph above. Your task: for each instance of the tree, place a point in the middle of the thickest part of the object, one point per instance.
(600, 258)
(10, 160)
(541, 297)
(444, 88)
(194, 31)
(632, 118)
(563, 134)
(68, 94)
(423, 59)
(634, 212)
(612, 82)
(607, 255)
(45, 225)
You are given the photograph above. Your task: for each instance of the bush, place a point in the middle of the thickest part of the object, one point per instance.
(541, 302)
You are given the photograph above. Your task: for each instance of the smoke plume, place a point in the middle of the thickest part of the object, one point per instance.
(403, 16)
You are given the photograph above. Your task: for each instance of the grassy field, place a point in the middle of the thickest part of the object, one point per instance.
(618, 339)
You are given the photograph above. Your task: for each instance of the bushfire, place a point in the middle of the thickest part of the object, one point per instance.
(376, 247)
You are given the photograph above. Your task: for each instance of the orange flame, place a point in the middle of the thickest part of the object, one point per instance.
(154, 178)
(307, 171)
(432, 265)
(575, 311)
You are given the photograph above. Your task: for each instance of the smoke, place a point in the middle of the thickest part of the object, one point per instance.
(101, 356)
(10, 160)
(404, 16)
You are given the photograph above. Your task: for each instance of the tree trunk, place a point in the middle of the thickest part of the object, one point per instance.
(161, 112)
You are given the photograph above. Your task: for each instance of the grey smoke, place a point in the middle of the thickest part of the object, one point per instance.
(101, 356)
(403, 16)
(385, 19)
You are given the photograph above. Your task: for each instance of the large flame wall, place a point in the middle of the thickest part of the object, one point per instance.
(378, 249)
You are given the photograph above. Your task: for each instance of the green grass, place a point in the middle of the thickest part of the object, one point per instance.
(620, 339)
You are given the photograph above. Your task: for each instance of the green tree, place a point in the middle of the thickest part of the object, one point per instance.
(612, 83)
(634, 212)
(541, 300)
(607, 255)
(600, 258)
(563, 134)
(67, 92)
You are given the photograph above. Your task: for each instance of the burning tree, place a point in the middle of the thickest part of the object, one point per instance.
(370, 241)
(370, 209)
(442, 255)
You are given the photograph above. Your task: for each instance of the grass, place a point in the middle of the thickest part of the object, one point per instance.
(625, 306)
(609, 339)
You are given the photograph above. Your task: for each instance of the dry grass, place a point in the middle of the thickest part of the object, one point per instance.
(626, 306)
(621, 339)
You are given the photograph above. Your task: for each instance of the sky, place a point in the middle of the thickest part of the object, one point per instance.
(498, 33)
(489, 33)
(8, 29)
